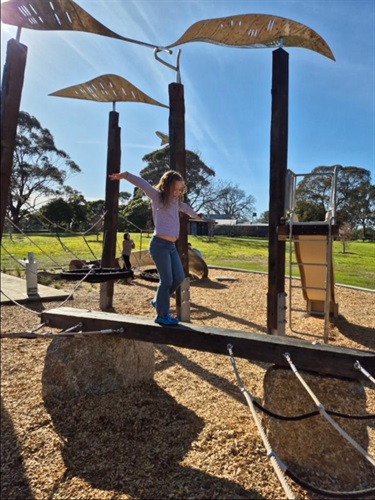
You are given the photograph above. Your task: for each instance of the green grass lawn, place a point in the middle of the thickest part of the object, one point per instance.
(356, 267)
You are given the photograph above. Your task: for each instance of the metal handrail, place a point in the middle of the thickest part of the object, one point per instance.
(290, 202)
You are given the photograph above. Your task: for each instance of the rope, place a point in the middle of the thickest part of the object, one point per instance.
(358, 366)
(329, 493)
(27, 331)
(45, 253)
(62, 303)
(90, 229)
(88, 246)
(41, 216)
(61, 227)
(311, 414)
(18, 304)
(77, 286)
(286, 470)
(95, 223)
(276, 462)
(323, 412)
(11, 256)
(65, 248)
(65, 333)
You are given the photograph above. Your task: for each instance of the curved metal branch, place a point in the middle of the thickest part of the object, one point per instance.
(175, 68)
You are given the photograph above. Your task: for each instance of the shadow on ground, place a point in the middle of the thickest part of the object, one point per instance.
(360, 334)
(14, 483)
(132, 442)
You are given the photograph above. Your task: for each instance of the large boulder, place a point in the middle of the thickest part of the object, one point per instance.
(311, 446)
(97, 364)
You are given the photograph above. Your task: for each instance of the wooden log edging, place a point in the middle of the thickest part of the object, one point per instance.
(323, 359)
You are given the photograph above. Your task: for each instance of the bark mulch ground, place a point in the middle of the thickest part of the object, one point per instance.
(188, 434)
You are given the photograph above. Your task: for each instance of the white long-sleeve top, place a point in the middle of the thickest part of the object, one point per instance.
(166, 217)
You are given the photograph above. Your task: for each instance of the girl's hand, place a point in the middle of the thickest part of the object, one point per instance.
(116, 177)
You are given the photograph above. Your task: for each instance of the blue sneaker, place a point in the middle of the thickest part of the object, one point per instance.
(167, 319)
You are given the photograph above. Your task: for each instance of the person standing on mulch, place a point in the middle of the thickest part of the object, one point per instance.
(166, 202)
(127, 245)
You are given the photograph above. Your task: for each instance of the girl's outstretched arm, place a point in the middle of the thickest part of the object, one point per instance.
(146, 187)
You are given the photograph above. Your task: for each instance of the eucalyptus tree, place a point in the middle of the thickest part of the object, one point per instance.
(40, 170)
(355, 196)
(198, 175)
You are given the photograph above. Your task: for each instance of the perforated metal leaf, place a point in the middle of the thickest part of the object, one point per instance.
(255, 31)
(52, 15)
(107, 88)
(164, 138)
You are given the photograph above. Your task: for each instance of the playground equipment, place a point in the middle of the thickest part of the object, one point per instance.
(96, 274)
(197, 265)
(312, 244)
(333, 361)
(248, 30)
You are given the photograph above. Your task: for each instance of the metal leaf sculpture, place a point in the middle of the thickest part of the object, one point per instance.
(255, 31)
(59, 15)
(164, 138)
(107, 88)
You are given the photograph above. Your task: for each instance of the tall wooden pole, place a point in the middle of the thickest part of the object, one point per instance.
(111, 207)
(13, 77)
(278, 169)
(178, 163)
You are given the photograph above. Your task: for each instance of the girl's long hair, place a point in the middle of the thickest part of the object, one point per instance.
(165, 184)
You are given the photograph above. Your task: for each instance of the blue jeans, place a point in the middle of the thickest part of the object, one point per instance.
(171, 273)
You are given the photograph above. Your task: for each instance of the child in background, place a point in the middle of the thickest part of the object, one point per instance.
(127, 245)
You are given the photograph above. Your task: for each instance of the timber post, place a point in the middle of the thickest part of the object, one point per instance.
(178, 163)
(278, 169)
(11, 92)
(111, 208)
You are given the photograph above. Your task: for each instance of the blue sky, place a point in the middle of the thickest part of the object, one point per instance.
(227, 90)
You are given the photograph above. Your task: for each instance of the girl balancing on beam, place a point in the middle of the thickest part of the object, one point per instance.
(166, 201)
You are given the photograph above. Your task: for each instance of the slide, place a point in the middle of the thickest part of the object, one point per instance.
(140, 258)
(312, 249)
(197, 266)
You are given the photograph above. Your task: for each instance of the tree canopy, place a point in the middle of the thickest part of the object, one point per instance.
(230, 200)
(40, 169)
(198, 174)
(355, 196)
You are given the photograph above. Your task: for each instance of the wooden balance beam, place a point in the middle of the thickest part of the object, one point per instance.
(323, 359)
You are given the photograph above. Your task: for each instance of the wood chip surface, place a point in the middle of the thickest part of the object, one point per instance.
(188, 434)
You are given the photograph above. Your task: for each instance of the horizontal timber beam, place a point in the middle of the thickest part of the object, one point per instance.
(323, 359)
